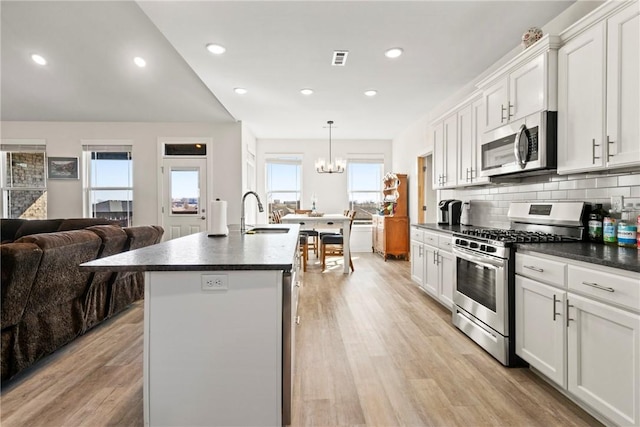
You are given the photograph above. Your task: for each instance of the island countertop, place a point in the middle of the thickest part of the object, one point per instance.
(197, 252)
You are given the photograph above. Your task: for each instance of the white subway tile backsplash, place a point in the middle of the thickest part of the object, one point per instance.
(629, 180)
(490, 203)
(605, 182)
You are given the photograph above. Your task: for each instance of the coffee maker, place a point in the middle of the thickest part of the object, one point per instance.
(449, 211)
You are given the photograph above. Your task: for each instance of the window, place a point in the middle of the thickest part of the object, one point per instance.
(365, 188)
(24, 182)
(109, 182)
(284, 183)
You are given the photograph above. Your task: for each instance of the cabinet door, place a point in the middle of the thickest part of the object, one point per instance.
(581, 71)
(450, 150)
(495, 102)
(540, 328)
(438, 155)
(446, 286)
(430, 283)
(417, 262)
(477, 129)
(527, 89)
(604, 359)
(466, 152)
(623, 87)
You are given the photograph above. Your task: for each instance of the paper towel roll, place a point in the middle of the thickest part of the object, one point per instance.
(218, 216)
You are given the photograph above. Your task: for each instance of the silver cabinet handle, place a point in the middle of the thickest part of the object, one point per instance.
(502, 110)
(602, 288)
(531, 267)
(569, 319)
(420, 251)
(435, 259)
(555, 300)
(509, 106)
(593, 151)
(297, 320)
(297, 284)
(609, 142)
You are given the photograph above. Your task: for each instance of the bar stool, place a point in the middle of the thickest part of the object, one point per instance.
(303, 244)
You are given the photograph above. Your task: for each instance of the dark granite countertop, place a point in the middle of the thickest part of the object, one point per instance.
(443, 228)
(595, 253)
(199, 252)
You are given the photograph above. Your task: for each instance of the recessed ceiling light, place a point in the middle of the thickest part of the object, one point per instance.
(371, 92)
(240, 90)
(38, 59)
(216, 49)
(306, 91)
(140, 62)
(393, 52)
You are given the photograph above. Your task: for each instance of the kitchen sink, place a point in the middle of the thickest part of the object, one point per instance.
(267, 230)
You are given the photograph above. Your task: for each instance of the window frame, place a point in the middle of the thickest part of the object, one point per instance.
(378, 187)
(9, 146)
(90, 147)
(285, 159)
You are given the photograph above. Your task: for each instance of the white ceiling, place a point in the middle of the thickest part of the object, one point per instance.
(274, 49)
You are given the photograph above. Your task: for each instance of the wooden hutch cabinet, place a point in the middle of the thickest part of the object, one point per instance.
(391, 231)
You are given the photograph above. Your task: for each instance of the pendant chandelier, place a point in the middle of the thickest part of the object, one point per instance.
(332, 167)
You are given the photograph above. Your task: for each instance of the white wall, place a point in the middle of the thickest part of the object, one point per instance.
(416, 140)
(330, 189)
(64, 139)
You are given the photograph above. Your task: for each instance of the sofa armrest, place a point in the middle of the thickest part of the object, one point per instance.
(19, 263)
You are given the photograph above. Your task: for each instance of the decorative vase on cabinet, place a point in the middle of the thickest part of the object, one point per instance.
(390, 229)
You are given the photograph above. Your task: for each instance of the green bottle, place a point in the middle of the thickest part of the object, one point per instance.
(595, 223)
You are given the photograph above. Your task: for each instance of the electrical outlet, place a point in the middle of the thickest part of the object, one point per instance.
(215, 282)
(617, 203)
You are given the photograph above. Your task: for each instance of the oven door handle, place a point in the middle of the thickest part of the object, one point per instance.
(478, 260)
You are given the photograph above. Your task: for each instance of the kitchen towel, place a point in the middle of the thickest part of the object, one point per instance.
(218, 218)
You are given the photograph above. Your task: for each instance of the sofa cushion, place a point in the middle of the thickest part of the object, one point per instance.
(38, 226)
(80, 223)
(9, 227)
(19, 263)
(142, 235)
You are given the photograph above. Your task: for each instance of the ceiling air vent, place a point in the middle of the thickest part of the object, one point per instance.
(339, 58)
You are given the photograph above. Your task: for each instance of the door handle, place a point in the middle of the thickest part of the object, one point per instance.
(203, 217)
(569, 319)
(555, 300)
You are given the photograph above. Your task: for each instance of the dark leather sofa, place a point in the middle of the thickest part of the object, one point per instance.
(47, 301)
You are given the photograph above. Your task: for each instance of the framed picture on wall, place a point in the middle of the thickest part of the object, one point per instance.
(62, 167)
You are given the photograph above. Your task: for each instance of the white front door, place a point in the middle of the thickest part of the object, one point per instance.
(184, 196)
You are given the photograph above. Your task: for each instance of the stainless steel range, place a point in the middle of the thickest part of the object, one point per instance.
(485, 274)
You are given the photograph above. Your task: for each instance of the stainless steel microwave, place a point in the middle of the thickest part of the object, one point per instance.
(523, 146)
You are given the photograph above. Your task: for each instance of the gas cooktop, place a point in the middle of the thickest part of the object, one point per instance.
(515, 236)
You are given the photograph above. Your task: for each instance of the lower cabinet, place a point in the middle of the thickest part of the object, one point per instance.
(432, 266)
(586, 342)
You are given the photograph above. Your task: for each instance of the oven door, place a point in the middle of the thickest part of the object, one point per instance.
(481, 288)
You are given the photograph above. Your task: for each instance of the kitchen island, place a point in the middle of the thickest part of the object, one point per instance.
(218, 336)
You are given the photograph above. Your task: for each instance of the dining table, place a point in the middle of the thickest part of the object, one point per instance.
(325, 221)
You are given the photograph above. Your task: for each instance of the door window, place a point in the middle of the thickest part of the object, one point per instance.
(185, 191)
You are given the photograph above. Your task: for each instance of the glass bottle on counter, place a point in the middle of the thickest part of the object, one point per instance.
(609, 229)
(595, 223)
(627, 228)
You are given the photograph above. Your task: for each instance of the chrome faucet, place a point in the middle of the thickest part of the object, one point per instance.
(260, 208)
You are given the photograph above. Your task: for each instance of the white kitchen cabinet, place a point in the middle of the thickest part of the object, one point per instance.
(581, 329)
(470, 131)
(417, 261)
(433, 265)
(540, 328)
(524, 86)
(445, 152)
(599, 90)
(623, 87)
(603, 359)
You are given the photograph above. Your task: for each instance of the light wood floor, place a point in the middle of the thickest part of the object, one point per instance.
(372, 350)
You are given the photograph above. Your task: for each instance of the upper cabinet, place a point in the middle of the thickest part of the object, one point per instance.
(599, 90)
(456, 145)
(525, 85)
